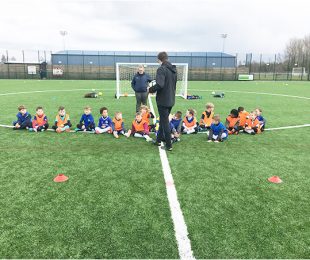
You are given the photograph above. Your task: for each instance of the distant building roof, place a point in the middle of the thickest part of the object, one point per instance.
(143, 53)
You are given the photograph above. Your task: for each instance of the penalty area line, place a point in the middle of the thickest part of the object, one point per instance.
(180, 228)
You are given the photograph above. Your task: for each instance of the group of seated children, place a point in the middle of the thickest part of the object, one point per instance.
(24, 120)
(141, 125)
(240, 120)
(237, 121)
(209, 123)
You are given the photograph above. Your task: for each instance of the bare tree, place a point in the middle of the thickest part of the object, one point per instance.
(3, 58)
(298, 51)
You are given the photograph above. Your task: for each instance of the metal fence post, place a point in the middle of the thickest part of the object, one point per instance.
(236, 66)
(7, 60)
(274, 67)
(23, 53)
(67, 65)
(221, 66)
(206, 67)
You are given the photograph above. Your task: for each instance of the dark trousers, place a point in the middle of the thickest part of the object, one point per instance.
(90, 127)
(164, 132)
(141, 98)
(43, 127)
(24, 125)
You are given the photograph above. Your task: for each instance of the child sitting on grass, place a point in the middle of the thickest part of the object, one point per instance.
(87, 122)
(252, 125)
(23, 119)
(232, 122)
(62, 121)
(139, 128)
(190, 122)
(118, 127)
(206, 118)
(242, 118)
(105, 122)
(39, 122)
(175, 126)
(146, 116)
(261, 119)
(218, 132)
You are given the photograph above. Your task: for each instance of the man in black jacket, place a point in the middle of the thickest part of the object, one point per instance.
(139, 84)
(166, 79)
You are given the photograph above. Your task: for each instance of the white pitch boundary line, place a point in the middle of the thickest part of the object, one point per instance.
(268, 129)
(287, 127)
(201, 90)
(46, 91)
(277, 128)
(180, 228)
(49, 129)
(251, 92)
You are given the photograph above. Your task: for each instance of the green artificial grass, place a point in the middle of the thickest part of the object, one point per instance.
(114, 204)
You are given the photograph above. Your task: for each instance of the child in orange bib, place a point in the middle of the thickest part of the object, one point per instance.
(139, 128)
(62, 121)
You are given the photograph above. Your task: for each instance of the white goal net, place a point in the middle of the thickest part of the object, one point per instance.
(126, 71)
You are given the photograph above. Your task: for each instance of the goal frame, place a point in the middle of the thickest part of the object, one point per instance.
(299, 74)
(117, 65)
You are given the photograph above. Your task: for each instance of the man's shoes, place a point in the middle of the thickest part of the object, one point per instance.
(156, 143)
(169, 149)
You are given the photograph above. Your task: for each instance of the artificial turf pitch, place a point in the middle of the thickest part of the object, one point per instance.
(114, 204)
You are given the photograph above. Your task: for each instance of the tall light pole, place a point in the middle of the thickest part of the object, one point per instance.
(223, 36)
(63, 34)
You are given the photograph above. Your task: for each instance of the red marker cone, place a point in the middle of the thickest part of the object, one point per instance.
(275, 179)
(61, 178)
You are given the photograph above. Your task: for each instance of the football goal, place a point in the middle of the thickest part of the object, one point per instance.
(126, 71)
(299, 71)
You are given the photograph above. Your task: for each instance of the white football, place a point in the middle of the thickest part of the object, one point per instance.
(152, 83)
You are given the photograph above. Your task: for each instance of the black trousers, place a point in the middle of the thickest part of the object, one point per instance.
(90, 127)
(141, 98)
(164, 132)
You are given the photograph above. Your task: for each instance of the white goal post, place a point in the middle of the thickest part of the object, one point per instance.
(126, 71)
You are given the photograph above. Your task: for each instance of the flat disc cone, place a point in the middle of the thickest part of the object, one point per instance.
(275, 179)
(61, 178)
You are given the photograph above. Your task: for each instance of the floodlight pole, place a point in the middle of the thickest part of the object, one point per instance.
(223, 36)
(63, 34)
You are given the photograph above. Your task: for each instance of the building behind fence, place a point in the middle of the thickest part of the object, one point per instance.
(101, 65)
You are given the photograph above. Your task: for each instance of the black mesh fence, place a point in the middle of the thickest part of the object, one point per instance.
(43, 64)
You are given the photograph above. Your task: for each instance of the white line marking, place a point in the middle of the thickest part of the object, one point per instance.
(268, 129)
(51, 90)
(250, 92)
(180, 228)
(49, 129)
(287, 127)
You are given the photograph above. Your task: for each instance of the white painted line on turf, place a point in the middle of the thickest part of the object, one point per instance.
(277, 128)
(180, 228)
(251, 92)
(268, 129)
(7, 126)
(51, 90)
(287, 127)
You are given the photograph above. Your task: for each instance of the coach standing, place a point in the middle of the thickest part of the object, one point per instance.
(166, 79)
(139, 84)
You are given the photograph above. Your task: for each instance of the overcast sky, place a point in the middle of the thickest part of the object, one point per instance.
(258, 26)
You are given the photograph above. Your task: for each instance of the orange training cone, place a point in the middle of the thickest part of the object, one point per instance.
(275, 179)
(61, 178)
